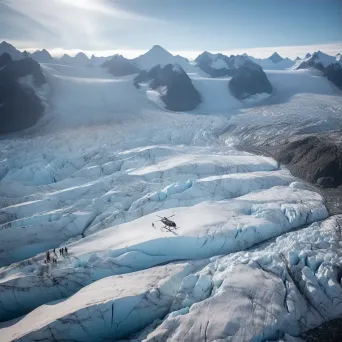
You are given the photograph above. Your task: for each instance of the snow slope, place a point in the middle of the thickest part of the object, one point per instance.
(99, 168)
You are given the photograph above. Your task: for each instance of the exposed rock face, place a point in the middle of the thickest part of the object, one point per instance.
(20, 107)
(318, 159)
(174, 86)
(249, 79)
(334, 74)
(120, 66)
(11, 50)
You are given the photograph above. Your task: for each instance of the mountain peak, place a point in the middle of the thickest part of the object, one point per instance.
(81, 55)
(157, 47)
(275, 58)
(4, 43)
(11, 50)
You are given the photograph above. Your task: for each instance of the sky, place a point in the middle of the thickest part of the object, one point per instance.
(186, 27)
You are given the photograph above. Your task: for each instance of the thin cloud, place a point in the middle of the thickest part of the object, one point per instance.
(81, 23)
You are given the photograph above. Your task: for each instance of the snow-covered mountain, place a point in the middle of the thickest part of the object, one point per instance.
(330, 66)
(274, 62)
(219, 65)
(11, 50)
(320, 60)
(159, 56)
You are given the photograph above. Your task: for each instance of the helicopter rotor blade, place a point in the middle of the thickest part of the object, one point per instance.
(159, 216)
(171, 216)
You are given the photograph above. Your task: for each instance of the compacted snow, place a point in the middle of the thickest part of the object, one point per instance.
(250, 259)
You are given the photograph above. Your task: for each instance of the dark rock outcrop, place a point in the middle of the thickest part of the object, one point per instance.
(174, 86)
(333, 73)
(20, 107)
(120, 66)
(11, 50)
(249, 79)
(317, 159)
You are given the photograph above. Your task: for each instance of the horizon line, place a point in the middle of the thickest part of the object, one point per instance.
(260, 52)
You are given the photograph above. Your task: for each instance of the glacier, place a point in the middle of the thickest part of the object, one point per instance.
(252, 240)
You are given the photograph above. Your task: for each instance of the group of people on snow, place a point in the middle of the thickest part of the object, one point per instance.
(49, 258)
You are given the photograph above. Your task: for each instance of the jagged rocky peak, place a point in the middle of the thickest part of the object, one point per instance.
(330, 66)
(249, 80)
(276, 58)
(157, 48)
(11, 50)
(174, 86)
(308, 55)
(297, 59)
(41, 56)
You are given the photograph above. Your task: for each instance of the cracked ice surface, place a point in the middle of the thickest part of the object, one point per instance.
(95, 177)
(278, 290)
(206, 229)
(275, 291)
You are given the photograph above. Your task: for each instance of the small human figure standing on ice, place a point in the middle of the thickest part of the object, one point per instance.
(48, 256)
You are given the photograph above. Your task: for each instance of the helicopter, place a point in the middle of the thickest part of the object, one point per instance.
(168, 224)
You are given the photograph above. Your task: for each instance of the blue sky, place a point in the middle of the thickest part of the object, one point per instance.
(184, 26)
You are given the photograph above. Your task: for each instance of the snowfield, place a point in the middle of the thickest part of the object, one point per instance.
(254, 256)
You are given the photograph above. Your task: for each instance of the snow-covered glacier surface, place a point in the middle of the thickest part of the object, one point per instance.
(250, 260)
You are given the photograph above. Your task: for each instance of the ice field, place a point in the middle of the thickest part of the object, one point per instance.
(254, 256)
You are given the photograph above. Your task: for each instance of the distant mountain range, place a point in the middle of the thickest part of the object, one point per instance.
(212, 65)
(218, 64)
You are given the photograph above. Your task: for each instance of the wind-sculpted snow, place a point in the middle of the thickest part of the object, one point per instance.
(94, 175)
